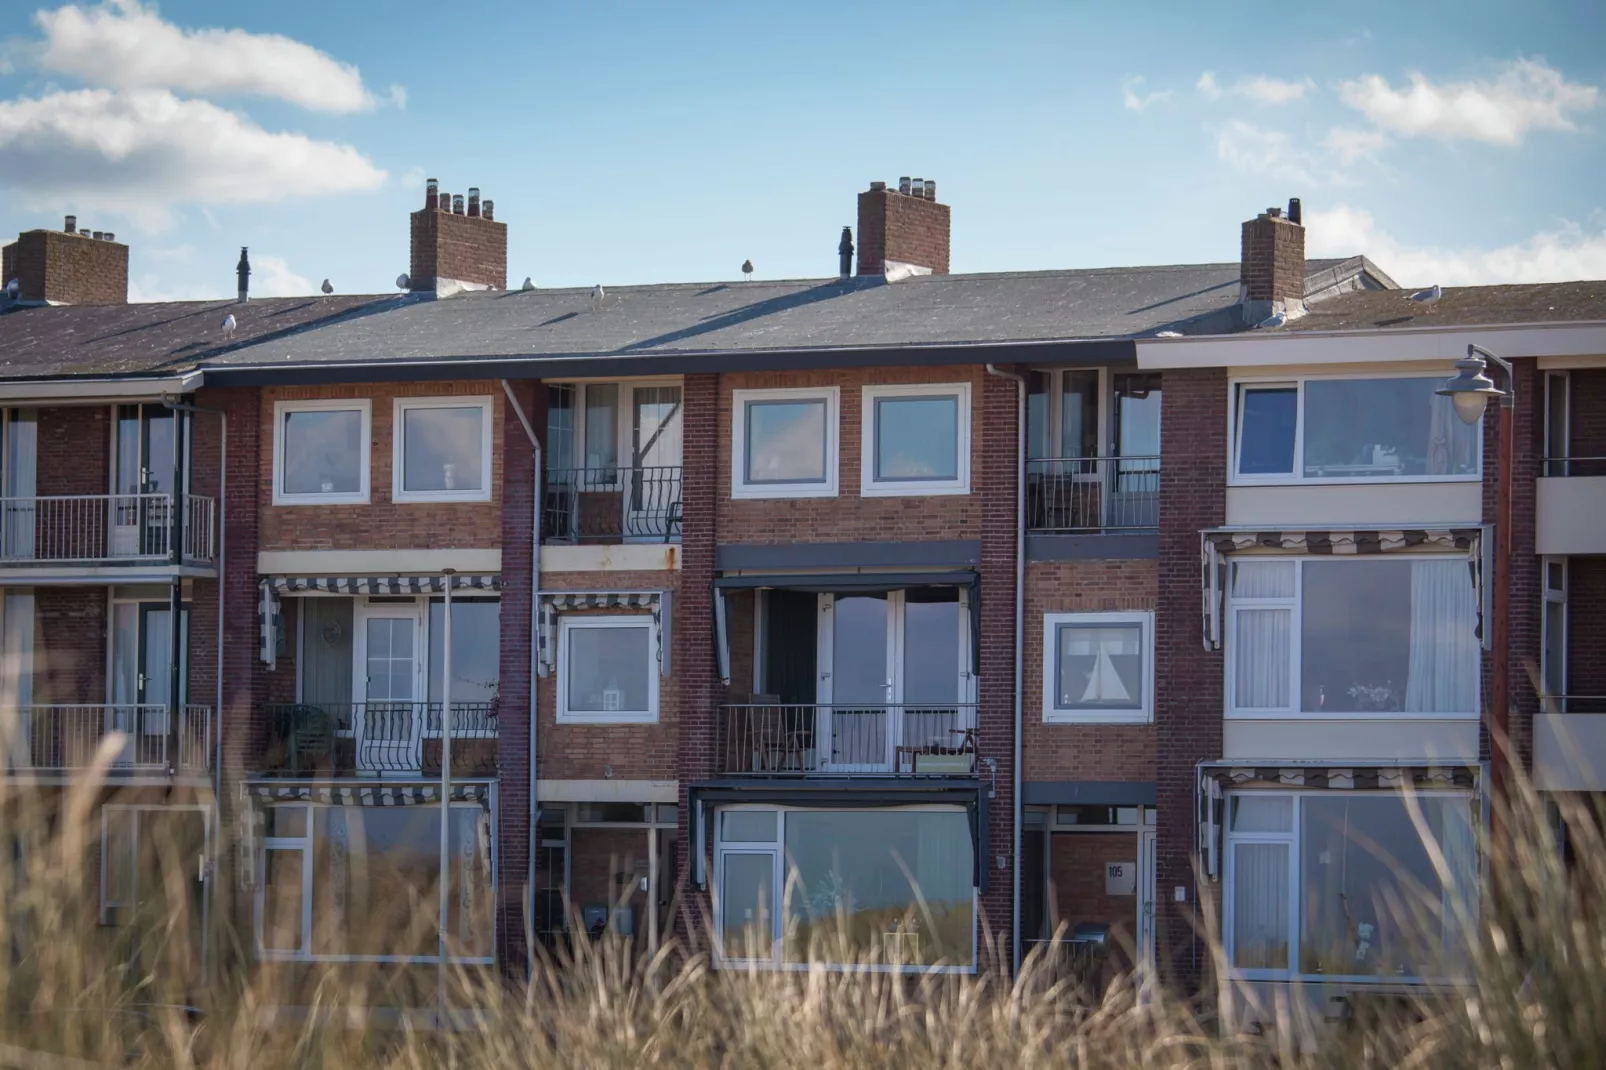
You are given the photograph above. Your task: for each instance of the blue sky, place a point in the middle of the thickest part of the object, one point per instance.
(1456, 142)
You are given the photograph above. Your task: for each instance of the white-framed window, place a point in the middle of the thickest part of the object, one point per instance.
(1082, 817)
(896, 886)
(362, 884)
(321, 451)
(916, 440)
(1098, 667)
(607, 668)
(1378, 637)
(1553, 643)
(1341, 885)
(1331, 429)
(442, 449)
(144, 849)
(784, 443)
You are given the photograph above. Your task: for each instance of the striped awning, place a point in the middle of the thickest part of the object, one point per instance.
(554, 602)
(1216, 780)
(269, 588)
(365, 794)
(1216, 545)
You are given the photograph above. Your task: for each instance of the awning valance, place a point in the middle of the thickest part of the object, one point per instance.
(269, 588)
(364, 794)
(1216, 545)
(552, 603)
(1216, 780)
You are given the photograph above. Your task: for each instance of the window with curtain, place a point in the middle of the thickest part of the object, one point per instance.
(1341, 884)
(1353, 637)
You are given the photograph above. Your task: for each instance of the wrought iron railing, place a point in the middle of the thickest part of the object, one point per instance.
(612, 504)
(1093, 495)
(320, 738)
(66, 737)
(103, 529)
(1575, 466)
(1572, 704)
(805, 739)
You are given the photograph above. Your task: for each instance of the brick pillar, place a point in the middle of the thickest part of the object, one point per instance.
(1188, 678)
(1000, 406)
(514, 683)
(1527, 596)
(695, 669)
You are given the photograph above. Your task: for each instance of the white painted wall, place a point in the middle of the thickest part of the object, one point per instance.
(624, 557)
(1343, 506)
(1338, 741)
(1572, 515)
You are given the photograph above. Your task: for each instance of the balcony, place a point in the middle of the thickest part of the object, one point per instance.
(618, 504)
(803, 739)
(375, 738)
(63, 739)
(1093, 495)
(1570, 743)
(1571, 506)
(104, 530)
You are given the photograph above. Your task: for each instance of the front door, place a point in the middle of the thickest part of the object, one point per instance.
(388, 716)
(147, 441)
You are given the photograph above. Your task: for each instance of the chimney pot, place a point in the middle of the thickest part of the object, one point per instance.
(97, 235)
(1274, 213)
(84, 233)
(444, 202)
(488, 210)
(110, 236)
(931, 189)
(432, 189)
(474, 201)
(903, 185)
(878, 187)
(457, 204)
(917, 188)
(72, 225)
(1296, 213)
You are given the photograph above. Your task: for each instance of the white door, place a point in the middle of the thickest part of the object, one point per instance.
(652, 486)
(855, 686)
(1146, 931)
(387, 719)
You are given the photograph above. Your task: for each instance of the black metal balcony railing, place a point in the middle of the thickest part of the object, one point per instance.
(65, 738)
(1575, 466)
(315, 738)
(1572, 704)
(617, 503)
(103, 529)
(1093, 495)
(806, 739)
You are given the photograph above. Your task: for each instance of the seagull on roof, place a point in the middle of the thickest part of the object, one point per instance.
(326, 288)
(228, 325)
(598, 294)
(529, 283)
(747, 269)
(1425, 298)
(1272, 322)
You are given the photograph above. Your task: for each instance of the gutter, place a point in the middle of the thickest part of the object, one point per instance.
(535, 615)
(1020, 619)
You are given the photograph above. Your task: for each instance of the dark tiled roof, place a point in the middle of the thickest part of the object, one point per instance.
(663, 320)
(155, 338)
(1458, 306)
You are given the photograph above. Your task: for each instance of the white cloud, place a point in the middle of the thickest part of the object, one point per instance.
(271, 277)
(124, 45)
(1567, 252)
(1350, 143)
(1255, 150)
(1525, 95)
(141, 152)
(1261, 88)
(1138, 102)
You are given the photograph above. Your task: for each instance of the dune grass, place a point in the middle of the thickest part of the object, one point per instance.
(74, 992)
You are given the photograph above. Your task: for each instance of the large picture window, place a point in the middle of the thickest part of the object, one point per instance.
(361, 883)
(320, 452)
(916, 440)
(1347, 430)
(784, 443)
(442, 450)
(1378, 637)
(607, 668)
(893, 887)
(1098, 667)
(1342, 884)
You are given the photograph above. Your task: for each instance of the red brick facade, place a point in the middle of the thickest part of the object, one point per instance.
(66, 269)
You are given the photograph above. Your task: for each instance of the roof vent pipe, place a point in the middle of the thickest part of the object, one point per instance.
(242, 272)
(844, 252)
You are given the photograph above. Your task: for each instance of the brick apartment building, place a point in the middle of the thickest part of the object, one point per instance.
(779, 599)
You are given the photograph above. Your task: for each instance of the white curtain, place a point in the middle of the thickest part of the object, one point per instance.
(1260, 906)
(1443, 673)
(21, 461)
(1262, 658)
(16, 674)
(1263, 579)
(1460, 895)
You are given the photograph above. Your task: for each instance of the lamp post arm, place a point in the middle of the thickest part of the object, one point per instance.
(1509, 399)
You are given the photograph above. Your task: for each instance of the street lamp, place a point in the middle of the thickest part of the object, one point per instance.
(1471, 391)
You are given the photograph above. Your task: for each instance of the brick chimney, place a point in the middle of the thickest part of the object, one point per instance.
(456, 249)
(67, 267)
(1271, 263)
(903, 231)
